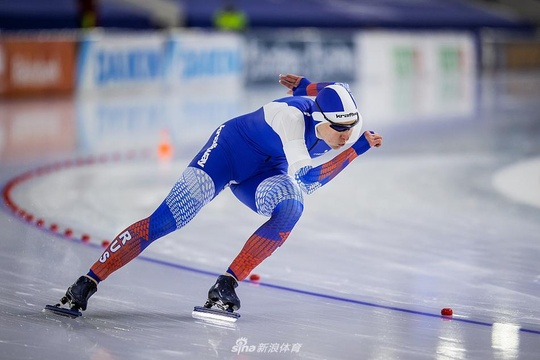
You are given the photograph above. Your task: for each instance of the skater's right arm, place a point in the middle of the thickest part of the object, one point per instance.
(288, 123)
(311, 178)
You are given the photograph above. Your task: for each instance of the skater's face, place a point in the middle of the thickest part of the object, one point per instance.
(334, 139)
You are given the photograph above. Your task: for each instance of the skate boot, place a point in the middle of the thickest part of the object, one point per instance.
(222, 294)
(77, 295)
(76, 298)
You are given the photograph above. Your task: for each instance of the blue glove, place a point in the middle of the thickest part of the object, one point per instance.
(361, 145)
(301, 89)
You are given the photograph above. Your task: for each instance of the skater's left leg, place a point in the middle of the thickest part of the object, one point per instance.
(276, 196)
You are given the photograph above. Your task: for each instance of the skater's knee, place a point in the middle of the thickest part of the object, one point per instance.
(289, 209)
(275, 190)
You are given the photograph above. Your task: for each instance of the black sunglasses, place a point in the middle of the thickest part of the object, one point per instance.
(337, 126)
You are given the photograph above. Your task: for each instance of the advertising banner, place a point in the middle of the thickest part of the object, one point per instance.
(404, 54)
(320, 56)
(210, 60)
(160, 60)
(33, 66)
(120, 61)
(416, 74)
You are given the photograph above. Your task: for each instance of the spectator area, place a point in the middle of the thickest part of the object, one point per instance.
(422, 14)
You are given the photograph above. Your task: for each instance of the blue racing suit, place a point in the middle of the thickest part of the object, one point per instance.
(265, 157)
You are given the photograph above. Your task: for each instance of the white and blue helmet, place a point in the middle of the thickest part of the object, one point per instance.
(336, 105)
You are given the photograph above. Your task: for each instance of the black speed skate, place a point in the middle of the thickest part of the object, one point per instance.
(224, 298)
(76, 298)
(222, 294)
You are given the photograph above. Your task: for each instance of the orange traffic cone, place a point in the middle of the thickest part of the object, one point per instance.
(165, 148)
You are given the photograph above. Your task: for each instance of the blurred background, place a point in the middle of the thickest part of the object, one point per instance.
(103, 63)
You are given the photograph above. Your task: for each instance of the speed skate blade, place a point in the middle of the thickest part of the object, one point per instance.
(202, 313)
(72, 313)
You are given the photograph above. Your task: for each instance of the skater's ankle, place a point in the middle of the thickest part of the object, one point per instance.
(230, 273)
(92, 277)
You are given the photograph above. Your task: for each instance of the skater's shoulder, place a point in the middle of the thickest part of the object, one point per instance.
(302, 103)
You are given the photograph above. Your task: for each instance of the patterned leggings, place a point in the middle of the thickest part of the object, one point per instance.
(277, 197)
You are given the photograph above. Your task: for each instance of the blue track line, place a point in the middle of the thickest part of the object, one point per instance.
(294, 290)
(300, 291)
(330, 297)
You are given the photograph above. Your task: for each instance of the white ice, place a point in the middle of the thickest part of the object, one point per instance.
(443, 215)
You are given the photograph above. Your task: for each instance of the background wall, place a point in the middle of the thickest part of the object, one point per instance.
(113, 44)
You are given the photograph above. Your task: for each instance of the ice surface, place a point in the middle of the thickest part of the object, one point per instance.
(423, 223)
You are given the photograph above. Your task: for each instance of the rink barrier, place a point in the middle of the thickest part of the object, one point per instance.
(68, 233)
(39, 220)
(116, 62)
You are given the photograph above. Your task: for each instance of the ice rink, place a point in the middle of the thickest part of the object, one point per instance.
(445, 214)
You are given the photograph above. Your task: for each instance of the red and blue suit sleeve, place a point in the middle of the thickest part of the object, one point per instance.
(311, 178)
(307, 88)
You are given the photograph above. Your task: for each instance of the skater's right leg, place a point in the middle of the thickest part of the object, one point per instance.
(207, 174)
(191, 192)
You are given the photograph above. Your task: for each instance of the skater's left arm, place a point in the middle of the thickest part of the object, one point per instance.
(311, 178)
(300, 86)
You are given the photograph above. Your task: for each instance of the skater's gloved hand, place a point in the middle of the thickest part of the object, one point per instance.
(295, 83)
(366, 141)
